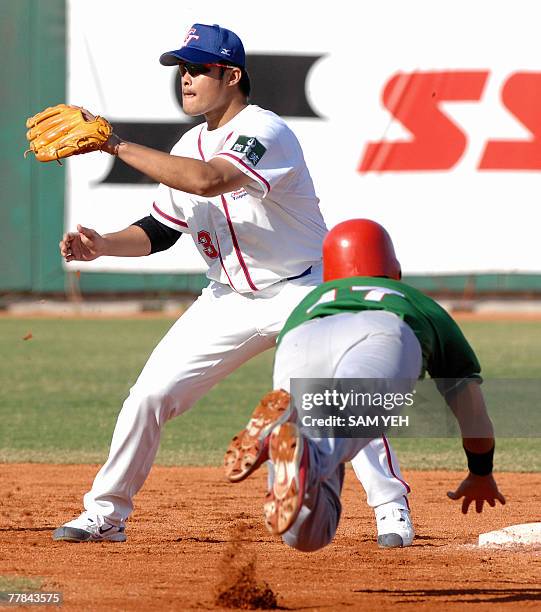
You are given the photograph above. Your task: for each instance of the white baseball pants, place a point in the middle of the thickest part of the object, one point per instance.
(220, 331)
(368, 344)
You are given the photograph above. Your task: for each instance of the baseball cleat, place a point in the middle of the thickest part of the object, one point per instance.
(89, 528)
(395, 529)
(288, 453)
(249, 448)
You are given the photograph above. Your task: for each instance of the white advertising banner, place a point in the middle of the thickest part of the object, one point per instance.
(421, 115)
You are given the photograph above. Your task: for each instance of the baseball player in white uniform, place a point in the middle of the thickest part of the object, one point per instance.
(239, 185)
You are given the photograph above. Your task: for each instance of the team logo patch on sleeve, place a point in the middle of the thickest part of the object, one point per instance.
(251, 147)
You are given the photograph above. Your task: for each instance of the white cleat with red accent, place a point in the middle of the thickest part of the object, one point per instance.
(288, 453)
(249, 449)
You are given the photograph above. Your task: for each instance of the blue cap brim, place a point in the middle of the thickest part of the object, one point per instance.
(195, 56)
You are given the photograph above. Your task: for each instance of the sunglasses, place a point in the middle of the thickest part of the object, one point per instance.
(195, 70)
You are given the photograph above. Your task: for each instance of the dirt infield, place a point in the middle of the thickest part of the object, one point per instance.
(179, 540)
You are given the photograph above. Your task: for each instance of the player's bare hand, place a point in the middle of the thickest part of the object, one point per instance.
(478, 489)
(83, 245)
(111, 144)
(87, 114)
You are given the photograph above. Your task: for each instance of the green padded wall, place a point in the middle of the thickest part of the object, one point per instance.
(32, 76)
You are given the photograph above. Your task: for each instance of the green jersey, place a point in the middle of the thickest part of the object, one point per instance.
(446, 353)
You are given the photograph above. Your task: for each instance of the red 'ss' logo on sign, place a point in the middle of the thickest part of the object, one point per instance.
(437, 142)
(521, 95)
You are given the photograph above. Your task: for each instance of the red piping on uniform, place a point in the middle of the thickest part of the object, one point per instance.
(267, 185)
(222, 262)
(169, 218)
(199, 144)
(390, 462)
(236, 245)
(231, 229)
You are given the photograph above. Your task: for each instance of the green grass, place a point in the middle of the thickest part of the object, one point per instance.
(61, 390)
(506, 349)
(20, 583)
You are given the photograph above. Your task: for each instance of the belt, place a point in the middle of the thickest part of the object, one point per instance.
(305, 273)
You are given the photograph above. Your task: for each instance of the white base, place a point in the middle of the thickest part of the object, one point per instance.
(528, 533)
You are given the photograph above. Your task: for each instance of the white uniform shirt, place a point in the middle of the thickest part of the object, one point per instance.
(269, 230)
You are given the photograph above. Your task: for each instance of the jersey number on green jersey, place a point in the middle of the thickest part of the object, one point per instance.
(372, 294)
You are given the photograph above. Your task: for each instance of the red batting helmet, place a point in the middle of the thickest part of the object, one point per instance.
(359, 247)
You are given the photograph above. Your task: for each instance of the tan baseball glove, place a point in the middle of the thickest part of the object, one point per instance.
(64, 130)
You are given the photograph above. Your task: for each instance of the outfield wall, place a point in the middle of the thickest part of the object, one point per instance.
(32, 76)
(419, 116)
